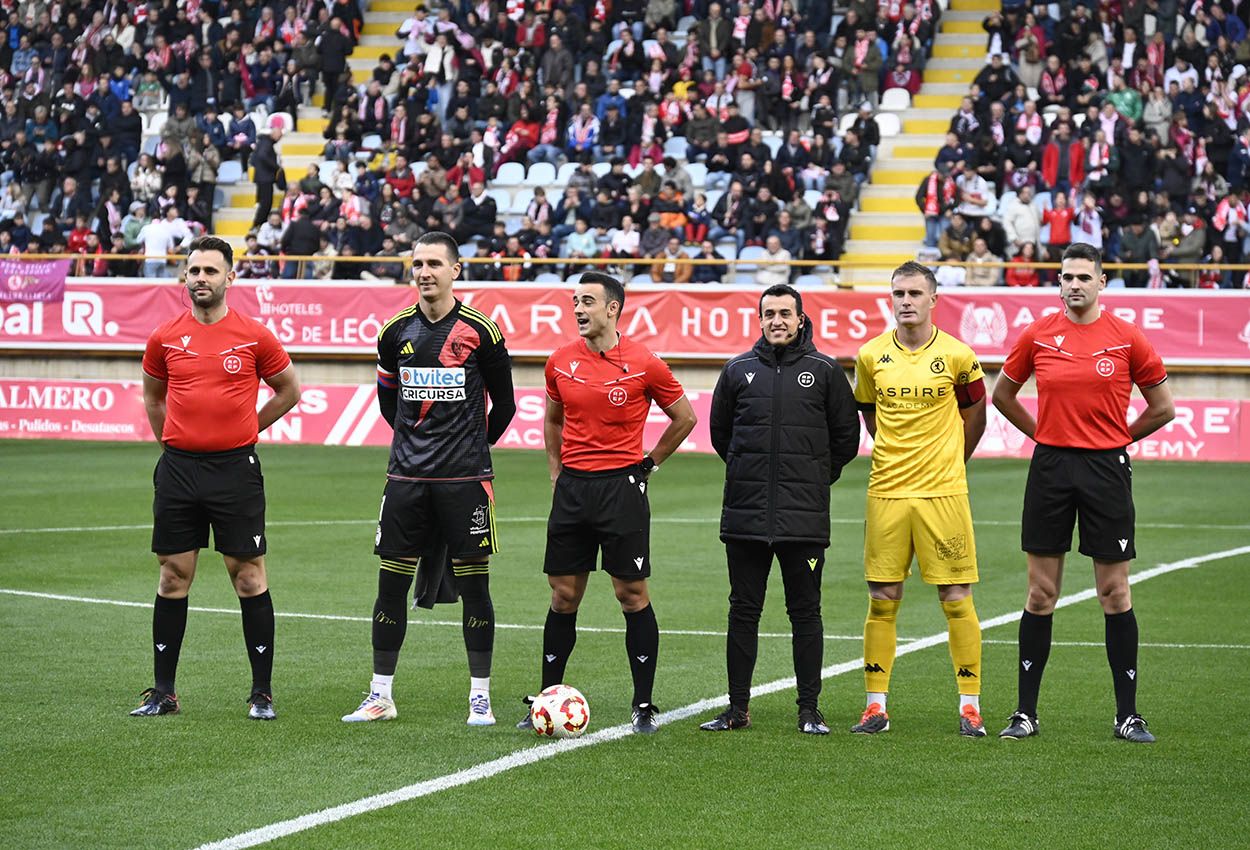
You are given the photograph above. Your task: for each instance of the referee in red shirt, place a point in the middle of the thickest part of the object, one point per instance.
(1086, 363)
(201, 374)
(599, 392)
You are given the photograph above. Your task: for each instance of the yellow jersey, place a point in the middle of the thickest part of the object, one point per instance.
(919, 447)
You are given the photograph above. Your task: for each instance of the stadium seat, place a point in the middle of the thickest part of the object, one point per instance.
(1005, 203)
(510, 174)
(1078, 119)
(691, 250)
(889, 124)
(675, 146)
(698, 174)
(219, 199)
(627, 92)
(541, 174)
(750, 253)
(686, 22)
(419, 168)
(36, 222)
(1033, 93)
(565, 172)
(548, 277)
(1048, 118)
(613, 46)
(741, 278)
(601, 168)
(468, 249)
(1043, 235)
(369, 145)
(713, 197)
(326, 171)
(149, 145)
(633, 171)
(895, 100)
(229, 172)
(157, 123)
(503, 200)
(809, 280)
(130, 172)
(521, 201)
(847, 120)
(812, 196)
(1042, 201)
(641, 277)
(512, 225)
(728, 250)
(774, 144)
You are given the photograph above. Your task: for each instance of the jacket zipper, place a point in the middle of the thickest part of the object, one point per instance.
(772, 465)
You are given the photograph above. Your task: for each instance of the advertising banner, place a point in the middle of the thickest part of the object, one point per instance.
(347, 415)
(709, 323)
(28, 281)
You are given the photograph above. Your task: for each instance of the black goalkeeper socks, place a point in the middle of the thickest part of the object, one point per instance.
(477, 622)
(169, 624)
(390, 619)
(258, 629)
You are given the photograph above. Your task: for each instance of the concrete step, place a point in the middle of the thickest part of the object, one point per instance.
(959, 50)
(924, 152)
(983, 7)
(944, 88)
(378, 25)
(877, 233)
(900, 177)
(964, 16)
(927, 125)
(887, 204)
(962, 27)
(944, 101)
(405, 6)
(952, 65)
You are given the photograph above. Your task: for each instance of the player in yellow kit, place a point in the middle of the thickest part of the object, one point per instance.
(922, 396)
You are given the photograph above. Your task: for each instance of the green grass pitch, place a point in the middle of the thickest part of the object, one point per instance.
(78, 772)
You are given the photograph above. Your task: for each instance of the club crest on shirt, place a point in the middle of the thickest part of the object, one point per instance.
(938, 366)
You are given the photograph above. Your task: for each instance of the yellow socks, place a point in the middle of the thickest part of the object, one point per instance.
(880, 643)
(965, 643)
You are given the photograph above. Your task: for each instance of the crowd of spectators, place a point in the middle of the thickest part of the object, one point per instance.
(1124, 124)
(116, 120)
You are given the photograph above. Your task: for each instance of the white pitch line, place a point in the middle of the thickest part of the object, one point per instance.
(1144, 645)
(530, 755)
(675, 520)
(297, 615)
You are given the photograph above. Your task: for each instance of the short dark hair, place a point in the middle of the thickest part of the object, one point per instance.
(911, 268)
(612, 288)
(213, 243)
(778, 290)
(438, 237)
(1084, 251)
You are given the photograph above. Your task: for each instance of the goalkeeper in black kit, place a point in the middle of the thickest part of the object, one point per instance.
(438, 361)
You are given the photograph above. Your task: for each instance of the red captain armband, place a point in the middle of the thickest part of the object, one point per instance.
(969, 394)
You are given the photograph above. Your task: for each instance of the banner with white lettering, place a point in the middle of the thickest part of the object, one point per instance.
(347, 415)
(693, 322)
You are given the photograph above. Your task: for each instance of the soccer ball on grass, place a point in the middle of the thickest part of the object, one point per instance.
(560, 712)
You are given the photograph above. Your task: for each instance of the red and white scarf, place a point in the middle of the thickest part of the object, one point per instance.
(932, 205)
(1054, 84)
(861, 51)
(549, 131)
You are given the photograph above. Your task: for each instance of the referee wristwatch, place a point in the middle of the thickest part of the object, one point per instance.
(648, 465)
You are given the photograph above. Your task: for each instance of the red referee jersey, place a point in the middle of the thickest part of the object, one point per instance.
(1085, 375)
(213, 373)
(606, 399)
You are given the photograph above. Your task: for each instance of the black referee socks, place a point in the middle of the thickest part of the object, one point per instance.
(559, 638)
(1121, 632)
(169, 624)
(258, 635)
(1035, 631)
(642, 642)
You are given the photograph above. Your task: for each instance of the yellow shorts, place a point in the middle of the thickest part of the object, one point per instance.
(937, 531)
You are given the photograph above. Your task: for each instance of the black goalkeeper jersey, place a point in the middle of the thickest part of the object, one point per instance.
(433, 382)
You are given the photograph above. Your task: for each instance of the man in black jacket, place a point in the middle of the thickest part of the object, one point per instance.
(265, 170)
(784, 421)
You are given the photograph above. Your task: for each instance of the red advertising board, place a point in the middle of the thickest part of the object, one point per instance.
(347, 415)
(702, 322)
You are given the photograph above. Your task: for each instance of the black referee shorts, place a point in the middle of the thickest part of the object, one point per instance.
(593, 512)
(196, 491)
(1092, 487)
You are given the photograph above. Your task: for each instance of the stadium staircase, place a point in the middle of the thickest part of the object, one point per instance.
(304, 146)
(887, 229)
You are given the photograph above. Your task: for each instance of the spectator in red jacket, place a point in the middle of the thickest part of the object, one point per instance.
(1062, 150)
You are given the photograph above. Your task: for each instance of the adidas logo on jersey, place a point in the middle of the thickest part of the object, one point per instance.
(750, 377)
(407, 349)
(885, 358)
(873, 668)
(965, 673)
